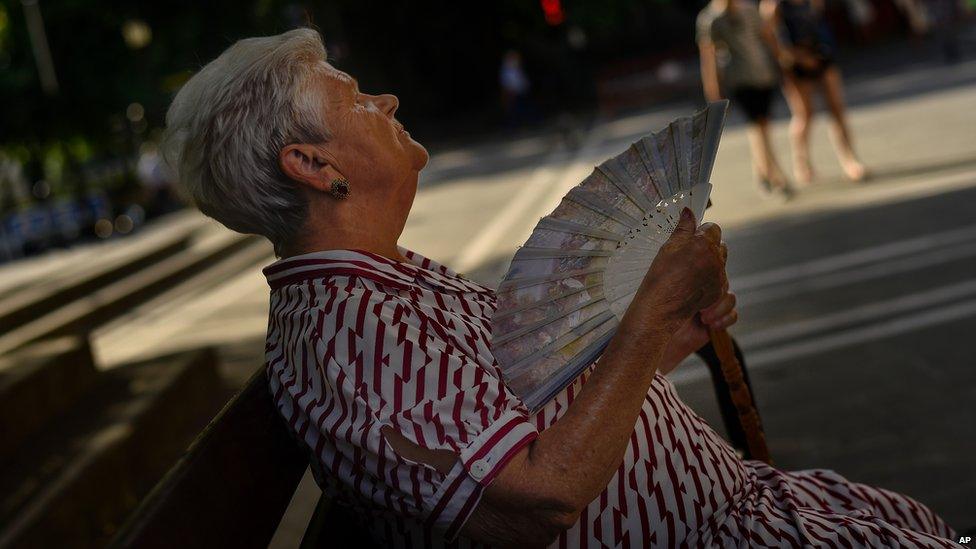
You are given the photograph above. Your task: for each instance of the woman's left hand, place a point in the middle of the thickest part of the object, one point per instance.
(694, 334)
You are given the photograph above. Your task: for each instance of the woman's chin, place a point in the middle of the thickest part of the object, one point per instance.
(420, 155)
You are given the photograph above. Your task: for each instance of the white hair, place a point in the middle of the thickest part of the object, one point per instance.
(230, 121)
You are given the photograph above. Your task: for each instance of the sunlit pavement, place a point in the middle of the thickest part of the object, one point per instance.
(856, 299)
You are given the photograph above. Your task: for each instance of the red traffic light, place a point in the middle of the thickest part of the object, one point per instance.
(553, 10)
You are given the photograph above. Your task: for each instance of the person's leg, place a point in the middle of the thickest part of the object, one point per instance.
(828, 491)
(745, 99)
(759, 165)
(819, 508)
(764, 164)
(834, 95)
(799, 96)
(773, 170)
(755, 103)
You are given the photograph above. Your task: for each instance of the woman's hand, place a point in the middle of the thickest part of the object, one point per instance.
(806, 60)
(786, 60)
(685, 292)
(693, 335)
(686, 277)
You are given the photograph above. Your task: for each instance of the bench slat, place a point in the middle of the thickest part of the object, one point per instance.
(232, 486)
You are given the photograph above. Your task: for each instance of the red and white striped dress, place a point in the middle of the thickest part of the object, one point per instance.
(359, 342)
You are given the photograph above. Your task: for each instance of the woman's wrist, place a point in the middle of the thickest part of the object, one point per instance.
(656, 308)
(634, 356)
(642, 331)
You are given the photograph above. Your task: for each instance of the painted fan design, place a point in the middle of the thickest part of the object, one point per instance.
(570, 284)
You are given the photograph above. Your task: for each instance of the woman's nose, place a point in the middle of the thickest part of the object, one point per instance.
(388, 103)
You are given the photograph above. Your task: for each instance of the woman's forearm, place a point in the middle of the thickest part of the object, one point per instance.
(545, 487)
(769, 10)
(583, 449)
(709, 72)
(573, 460)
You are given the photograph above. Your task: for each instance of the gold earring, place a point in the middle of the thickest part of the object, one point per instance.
(340, 188)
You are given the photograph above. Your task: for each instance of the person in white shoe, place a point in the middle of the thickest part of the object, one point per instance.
(734, 47)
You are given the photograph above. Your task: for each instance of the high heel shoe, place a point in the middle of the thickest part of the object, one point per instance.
(783, 191)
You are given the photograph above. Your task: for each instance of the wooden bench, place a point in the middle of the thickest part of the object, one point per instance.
(232, 486)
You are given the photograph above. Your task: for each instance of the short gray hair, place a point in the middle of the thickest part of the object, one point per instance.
(227, 125)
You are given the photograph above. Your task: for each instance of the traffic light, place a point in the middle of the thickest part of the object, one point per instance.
(553, 10)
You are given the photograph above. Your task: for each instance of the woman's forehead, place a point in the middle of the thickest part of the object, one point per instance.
(338, 76)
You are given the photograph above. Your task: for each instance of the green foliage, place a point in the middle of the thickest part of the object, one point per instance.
(440, 57)
(100, 74)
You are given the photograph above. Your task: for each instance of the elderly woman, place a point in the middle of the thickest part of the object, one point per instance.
(380, 361)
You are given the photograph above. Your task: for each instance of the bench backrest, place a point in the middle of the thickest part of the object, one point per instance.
(232, 486)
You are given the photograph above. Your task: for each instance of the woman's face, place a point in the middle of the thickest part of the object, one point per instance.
(368, 145)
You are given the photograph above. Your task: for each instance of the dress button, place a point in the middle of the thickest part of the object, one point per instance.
(479, 469)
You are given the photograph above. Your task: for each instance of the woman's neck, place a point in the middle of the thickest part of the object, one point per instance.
(385, 249)
(350, 228)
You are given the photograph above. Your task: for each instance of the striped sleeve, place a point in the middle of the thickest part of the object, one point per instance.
(406, 372)
(451, 401)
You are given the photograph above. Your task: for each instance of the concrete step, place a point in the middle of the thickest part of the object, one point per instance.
(74, 481)
(61, 265)
(47, 292)
(39, 383)
(215, 306)
(102, 305)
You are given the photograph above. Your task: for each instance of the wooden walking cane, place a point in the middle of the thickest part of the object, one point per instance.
(741, 397)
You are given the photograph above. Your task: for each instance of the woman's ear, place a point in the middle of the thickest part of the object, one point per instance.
(308, 165)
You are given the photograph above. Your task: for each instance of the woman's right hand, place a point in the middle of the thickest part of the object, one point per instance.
(687, 276)
(786, 60)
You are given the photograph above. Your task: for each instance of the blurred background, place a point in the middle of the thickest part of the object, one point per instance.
(127, 320)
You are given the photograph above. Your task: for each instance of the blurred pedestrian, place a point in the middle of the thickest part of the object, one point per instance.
(861, 14)
(160, 193)
(515, 89)
(805, 49)
(914, 12)
(944, 17)
(734, 30)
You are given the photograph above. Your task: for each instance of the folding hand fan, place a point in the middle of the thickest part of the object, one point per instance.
(570, 284)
